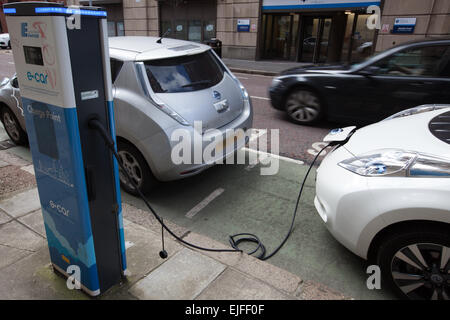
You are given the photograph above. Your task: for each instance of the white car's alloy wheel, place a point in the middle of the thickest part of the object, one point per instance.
(422, 271)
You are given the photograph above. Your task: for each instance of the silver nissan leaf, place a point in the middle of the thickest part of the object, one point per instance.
(161, 88)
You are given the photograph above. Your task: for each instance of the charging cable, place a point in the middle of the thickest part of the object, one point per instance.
(235, 240)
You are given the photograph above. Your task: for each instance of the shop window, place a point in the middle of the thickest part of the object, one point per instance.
(180, 31)
(195, 31)
(209, 30)
(120, 29)
(111, 29)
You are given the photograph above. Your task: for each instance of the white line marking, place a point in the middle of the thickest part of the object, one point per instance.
(191, 213)
(261, 153)
(261, 98)
(10, 62)
(243, 78)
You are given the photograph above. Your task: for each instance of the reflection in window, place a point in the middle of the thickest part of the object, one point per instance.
(195, 31)
(427, 61)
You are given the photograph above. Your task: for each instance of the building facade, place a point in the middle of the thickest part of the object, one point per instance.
(317, 31)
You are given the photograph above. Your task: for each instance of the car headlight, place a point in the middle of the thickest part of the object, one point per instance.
(276, 82)
(396, 162)
(416, 110)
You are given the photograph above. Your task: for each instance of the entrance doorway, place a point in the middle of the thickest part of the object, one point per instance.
(315, 39)
(278, 37)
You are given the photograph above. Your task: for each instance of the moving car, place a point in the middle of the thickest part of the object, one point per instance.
(397, 79)
(159, 87)
(4, 41)
(385, 194)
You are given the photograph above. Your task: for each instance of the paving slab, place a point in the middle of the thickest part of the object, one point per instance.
(311, 290)
(29, 169)
(4, 218)
(3, 164)
(183, 276)
(22, 203)
(33, 278)
(34, 221)
(234, 285)
(15, 235)
(9, 255)
(12, 158)
(143, 246)
(277, 277)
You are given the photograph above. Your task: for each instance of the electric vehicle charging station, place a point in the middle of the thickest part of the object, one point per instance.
(63, 71)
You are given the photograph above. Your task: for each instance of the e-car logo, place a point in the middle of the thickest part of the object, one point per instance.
(28, 33)
(38, 77)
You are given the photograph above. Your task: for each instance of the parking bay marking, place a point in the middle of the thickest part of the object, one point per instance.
(261, 98)
(191, 213)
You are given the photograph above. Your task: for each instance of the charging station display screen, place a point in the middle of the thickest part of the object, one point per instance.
(33, 55)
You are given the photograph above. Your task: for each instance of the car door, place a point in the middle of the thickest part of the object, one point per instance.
(406, 79)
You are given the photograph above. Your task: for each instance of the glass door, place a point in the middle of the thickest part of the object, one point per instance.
(278, 37)
(315, 39)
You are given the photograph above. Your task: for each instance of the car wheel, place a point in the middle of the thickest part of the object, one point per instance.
(415, 263)
(303, 106)
(12, 127)
(9, 45)
(136, 167)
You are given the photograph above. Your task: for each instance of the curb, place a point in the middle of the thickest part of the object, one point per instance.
(250, 71)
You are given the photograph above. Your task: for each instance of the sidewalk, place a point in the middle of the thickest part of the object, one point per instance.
(186, 274)
(267, 67)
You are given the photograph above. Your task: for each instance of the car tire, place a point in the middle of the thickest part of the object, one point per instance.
(304, 106)
(12, 127)
(415, 263)
(136, 167)
(9, 45)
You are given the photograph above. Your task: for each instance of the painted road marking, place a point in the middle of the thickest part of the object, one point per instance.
(10, 62)
(317, 146)
(267, 154)
(29, 169)
(243, 78)
(261, 98)
(191, 213)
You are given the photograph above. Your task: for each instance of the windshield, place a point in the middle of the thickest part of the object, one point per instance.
(184, 74)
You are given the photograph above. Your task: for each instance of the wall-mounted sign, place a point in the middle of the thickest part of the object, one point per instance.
(385, 28)
(316, 4)
(243, 25)
(404, 25)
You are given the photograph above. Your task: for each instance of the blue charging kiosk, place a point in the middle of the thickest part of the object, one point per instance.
(63, 70)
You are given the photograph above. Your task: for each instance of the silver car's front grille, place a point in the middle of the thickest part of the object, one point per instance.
(440, 127)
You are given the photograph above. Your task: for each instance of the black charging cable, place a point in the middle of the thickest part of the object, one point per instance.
(234, 240)
(248, 237)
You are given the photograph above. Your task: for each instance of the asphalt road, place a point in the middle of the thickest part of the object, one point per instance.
(229, 199)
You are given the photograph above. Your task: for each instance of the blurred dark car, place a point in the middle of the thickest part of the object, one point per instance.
(402, 77)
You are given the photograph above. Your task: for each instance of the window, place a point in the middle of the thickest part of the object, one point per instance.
(184, 74)
(120, 29)
(116, 66)
(430, 61)
(111, 29)
(209, 30)
(195, 31)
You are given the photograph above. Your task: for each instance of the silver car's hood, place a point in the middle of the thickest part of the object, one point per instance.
(200, 105)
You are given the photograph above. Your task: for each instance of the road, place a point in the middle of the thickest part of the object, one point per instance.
(230, 199)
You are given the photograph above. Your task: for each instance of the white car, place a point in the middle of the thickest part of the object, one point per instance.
(385, 195)
(4, 41)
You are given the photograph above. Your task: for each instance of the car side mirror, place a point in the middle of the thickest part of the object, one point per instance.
(369, 71)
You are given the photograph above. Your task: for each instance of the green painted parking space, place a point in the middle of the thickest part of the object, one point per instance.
(246, 201)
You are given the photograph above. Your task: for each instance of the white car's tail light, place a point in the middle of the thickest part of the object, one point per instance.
(395, 162)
